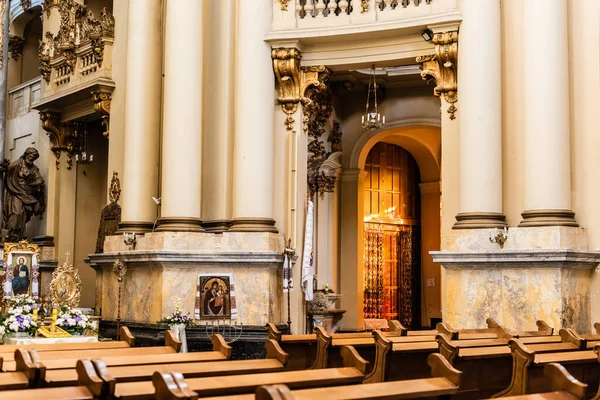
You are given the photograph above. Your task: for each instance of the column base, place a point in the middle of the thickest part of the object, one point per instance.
(479, 220)
(138, 227)
(251, 224)
(217, 225)
(179, 224)
(548, 217)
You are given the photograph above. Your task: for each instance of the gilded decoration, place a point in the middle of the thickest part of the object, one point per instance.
(78, 28)
(47, 5)
(364, 5)
(110, 215)
(325, 184)
(15, 46)
(283, 4)
(21, 270)
(63, 136)
(65, 287)
(441, 67)
(25, 5)
(102, 105)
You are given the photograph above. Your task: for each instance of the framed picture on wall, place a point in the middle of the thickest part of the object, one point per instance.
(21, 269)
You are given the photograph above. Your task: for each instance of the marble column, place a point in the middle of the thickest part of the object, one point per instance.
(219, 97)
(547, 163)
(142, 116)
(254, 131)
(480, 116)
(182, 118)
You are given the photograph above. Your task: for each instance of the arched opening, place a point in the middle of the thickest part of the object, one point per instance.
(392, 239)
(29, 63)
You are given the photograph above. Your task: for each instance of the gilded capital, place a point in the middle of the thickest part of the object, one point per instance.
(293, 81)
(442, 67)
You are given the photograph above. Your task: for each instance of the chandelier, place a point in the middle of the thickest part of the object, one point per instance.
(372, 119)
(83, 156)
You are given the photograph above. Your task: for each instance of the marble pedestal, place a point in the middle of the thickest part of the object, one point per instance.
(165, 266)
(329, 320)
(539, 273)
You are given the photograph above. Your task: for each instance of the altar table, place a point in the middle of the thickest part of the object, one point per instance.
(372, 324)
(72, 339)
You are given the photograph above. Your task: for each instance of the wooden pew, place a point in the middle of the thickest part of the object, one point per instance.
(564, 386)
(444, 382)
(275, 362)
(528, 366)
(487, 370)
(543, 328)
(493, 331)
(221, 352)
(351, 373)
(172, 345)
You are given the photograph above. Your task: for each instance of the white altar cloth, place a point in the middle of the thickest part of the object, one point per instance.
(72, 339)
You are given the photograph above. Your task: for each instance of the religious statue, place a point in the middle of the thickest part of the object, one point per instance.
(20, 281)
(24, 194)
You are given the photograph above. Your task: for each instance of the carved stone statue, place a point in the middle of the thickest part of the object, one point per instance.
(24, 194)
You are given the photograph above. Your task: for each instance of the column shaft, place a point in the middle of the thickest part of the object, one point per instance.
(182, 118)
(254, 136)
(480, 115)
(547, 160)
(142, 115)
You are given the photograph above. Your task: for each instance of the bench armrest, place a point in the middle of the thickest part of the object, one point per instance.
(172, 386)
(172, 341)
(274, 392)
(220, 345)
(441, 368)
(126, 336)
(275, 351)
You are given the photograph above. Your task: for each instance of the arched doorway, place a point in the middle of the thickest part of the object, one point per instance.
(392, 238)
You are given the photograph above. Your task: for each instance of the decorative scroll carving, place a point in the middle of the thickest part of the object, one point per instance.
(102, 105)
(15, 46)
(44, 59)
(111, 214)
(442, 68)
(63, 136)
(65, 287)
(335, 137)
(47, 5)
(365, 6)
(25, 5)
(325, 184)
(283, 4)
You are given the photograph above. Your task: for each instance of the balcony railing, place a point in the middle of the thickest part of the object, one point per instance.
(310, 15)
(21, 97)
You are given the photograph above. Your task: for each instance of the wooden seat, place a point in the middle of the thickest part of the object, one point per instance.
(493, 331)
(564, 386)
(528, 377)
(351, 373)
(444, 381)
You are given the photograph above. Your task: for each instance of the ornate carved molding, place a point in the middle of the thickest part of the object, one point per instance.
(63, 136)
(102, 105)
(15, 46)
(283, 4)
(293, 81)
(364, 5)
(47, 5)
(325, 184)
(442, 68)
(25, 5)
(110, 215)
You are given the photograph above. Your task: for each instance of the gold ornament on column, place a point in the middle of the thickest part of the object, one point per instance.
(102, 105)
(283, 4)
(292, 81)
(442, 67)
(63, 136)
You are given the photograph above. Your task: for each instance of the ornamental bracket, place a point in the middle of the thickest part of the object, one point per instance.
(442, 67)
(63, 136)
(102, 105)
(293, 81)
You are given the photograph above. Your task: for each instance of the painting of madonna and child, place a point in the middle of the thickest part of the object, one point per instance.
(215, 301)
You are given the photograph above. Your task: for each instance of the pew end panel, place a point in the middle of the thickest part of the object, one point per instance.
(274, 392)
(544, 327)
(323, 343)
(441, 368)
(273, 332)
(447, 349)
(108, 382)
(522, 358)
(396, 327)
(87, 376)
(275, 351)
(597, 327)
(28, 363)
(382, 348)
(126, 336)
(445, 329)
(570, 336)
(562, 381)
(172, 386)
(492, 323)
(352, 359)
(220, 345)
(171, 340)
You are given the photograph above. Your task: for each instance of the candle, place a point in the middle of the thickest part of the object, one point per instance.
(54, 315)
(35, 315)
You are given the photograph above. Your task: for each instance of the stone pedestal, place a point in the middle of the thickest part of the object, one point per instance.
(329, 320)
(539, 273)
(165, 266)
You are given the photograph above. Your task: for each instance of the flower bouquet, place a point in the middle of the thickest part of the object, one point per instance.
(74, 321)
(25, 302)
(18, 322)
(177, 323)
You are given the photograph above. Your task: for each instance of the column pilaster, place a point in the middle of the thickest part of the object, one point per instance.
(142, 115)
(480, 122)
(547, 160)
(182, 123)
(254, 132)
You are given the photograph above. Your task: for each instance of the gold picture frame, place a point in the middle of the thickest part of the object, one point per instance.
(65, 287)
(21, 269)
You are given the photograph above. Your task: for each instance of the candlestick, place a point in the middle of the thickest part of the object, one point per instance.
(54, 316)
(35, 315)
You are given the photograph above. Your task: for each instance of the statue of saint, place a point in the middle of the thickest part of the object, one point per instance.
(24, 194)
